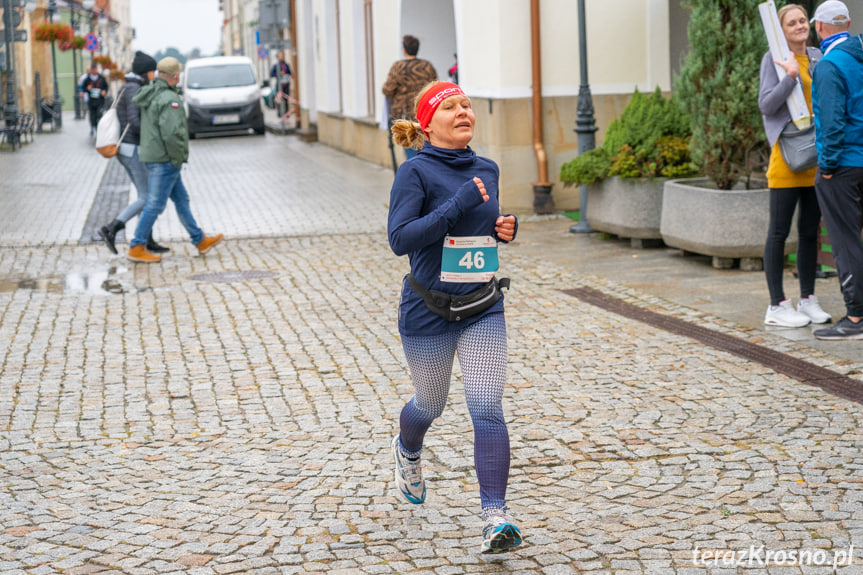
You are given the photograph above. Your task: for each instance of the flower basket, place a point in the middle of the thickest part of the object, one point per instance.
(104, 61)
(77, 43)
(60, 32)
(117, 74)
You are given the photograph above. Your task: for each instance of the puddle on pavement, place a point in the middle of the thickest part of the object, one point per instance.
(93, 281)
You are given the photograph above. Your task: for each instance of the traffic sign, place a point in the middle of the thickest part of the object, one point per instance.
(91, 42)
(263, 53)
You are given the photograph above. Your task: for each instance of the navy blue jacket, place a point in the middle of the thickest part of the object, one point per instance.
(837, 100)
(434, 195)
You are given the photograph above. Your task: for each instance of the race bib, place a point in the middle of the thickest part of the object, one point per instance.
(469, 259)
(95, 93)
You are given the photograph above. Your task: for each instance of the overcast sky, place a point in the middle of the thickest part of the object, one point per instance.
(183, 24)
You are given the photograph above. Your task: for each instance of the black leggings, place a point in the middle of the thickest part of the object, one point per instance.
(95, 112)
(782, 204)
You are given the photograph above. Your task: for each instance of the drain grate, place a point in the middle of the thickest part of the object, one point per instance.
(234, 276)
(801, 370)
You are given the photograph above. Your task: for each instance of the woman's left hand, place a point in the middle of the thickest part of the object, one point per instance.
(504, 227)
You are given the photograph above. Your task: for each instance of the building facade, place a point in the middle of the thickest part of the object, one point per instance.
(344, 49)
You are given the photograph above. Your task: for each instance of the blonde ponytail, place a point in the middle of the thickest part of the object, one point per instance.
(408, 134)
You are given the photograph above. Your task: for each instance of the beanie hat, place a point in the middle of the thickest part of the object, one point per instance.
(169, 66)
(143, 63)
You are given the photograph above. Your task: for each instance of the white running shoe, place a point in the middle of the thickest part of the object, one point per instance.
(500, 533)
(409, 475)
(784, 315)
(810, 307)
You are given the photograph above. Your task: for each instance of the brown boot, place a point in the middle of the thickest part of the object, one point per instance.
(140, 254)
(208, 242)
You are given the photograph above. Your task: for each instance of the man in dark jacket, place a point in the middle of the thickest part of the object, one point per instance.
(129, 115)
(837, 86)
(96, 87)
(165, 148)
(281, 71)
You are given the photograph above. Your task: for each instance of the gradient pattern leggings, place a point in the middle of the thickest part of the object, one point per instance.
(482, 355)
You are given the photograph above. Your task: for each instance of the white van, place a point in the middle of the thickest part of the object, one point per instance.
(222, 94)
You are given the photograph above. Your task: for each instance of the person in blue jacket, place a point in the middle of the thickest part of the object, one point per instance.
(444, 215)
(837, 100)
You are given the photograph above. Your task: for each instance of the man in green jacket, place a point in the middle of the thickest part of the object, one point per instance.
(164, 148)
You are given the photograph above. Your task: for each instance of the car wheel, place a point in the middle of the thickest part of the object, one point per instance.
(192, 135)
(260, 130)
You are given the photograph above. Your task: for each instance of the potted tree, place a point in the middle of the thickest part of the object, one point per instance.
(725, 214)
(644, 147)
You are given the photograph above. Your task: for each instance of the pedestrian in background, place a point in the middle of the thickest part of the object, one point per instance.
(164, 149)
(404, 81)
(789, 189)
(129, 115)
(281, 71)
(95, 86)
(448, 196)
(837, 94)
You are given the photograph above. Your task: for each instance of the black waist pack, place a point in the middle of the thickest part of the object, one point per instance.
(459, 307)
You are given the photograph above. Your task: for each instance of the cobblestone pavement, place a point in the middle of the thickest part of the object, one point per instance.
(152, 423)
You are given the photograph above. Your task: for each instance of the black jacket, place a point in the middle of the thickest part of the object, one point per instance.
(128, 113)
(100, 83)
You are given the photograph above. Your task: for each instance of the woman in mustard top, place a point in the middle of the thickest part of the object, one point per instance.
(788, 189)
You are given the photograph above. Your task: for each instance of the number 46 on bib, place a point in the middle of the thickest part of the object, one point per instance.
(468, 259)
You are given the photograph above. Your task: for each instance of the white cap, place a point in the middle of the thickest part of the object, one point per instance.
(832, 12)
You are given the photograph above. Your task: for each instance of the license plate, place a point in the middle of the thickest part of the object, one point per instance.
(226, 119)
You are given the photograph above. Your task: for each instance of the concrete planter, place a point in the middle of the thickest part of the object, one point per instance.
(626, 207)
(725, 224)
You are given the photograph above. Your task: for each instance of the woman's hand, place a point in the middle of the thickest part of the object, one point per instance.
(504, 227)
(481, 187)
(791, 66)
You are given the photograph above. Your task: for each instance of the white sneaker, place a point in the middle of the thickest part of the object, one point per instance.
(500, 533)
(409, 475)
(810, 307)
(784, 315)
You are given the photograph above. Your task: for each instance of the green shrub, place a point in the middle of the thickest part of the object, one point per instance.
(587, 168)
(718, 87)
(649, 139)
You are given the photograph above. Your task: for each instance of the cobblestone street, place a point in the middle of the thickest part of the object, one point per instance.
(232, 413)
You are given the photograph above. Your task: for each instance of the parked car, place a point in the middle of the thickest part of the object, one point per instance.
(222, 94)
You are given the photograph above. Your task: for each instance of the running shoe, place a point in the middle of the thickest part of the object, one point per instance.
(409, 475)
(500, 532)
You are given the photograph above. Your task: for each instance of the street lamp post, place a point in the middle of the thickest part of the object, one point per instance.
(75, 22)
(11, 107)
(585, 124)
(58, 101)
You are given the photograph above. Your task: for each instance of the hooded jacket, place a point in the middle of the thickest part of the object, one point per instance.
(164, 134)
(837, 100)
(434, 195)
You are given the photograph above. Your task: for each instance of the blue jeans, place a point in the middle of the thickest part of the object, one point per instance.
(165, 182)
(138, 173)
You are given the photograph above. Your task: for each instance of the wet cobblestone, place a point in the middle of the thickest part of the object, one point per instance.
(151, 423)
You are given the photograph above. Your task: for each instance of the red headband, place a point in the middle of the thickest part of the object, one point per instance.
(431, 100)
